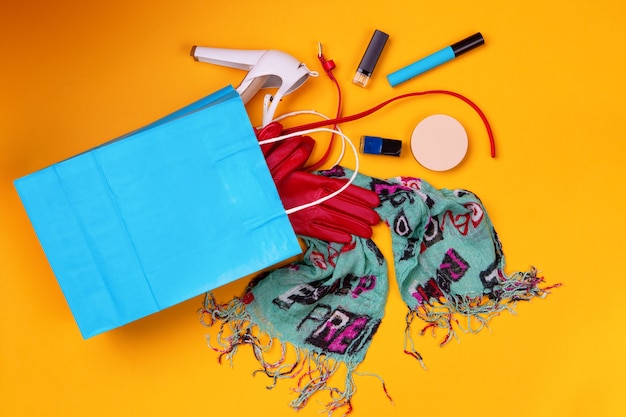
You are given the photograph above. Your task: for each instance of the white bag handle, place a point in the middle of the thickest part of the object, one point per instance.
(334, 193)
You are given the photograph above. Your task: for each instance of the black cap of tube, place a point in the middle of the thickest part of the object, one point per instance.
(468, 44)
(373, 51)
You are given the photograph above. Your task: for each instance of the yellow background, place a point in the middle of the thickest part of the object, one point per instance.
(550, 78)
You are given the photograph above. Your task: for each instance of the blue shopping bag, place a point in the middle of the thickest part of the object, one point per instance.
(160, 215)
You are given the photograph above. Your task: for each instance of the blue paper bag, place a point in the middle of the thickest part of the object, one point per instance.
(160, 215)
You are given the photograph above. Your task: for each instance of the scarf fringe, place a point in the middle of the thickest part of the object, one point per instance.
(311, 371)
(472, 314)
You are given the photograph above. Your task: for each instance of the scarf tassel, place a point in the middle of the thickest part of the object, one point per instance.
(472, 314)
(312, 371)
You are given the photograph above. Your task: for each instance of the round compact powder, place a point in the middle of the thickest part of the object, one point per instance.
(439, 142)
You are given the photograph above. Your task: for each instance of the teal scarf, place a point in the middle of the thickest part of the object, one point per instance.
(321, 312)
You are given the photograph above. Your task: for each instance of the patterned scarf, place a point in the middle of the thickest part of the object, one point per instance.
(321, 312)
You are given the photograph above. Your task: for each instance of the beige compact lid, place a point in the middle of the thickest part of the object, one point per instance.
(439, 142)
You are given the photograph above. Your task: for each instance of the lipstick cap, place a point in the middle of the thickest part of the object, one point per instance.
(468, 44)
(370, 57)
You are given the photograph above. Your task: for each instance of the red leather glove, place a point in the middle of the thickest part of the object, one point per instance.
(337, 219)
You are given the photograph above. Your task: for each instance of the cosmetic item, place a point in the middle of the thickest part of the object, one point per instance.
(375, 145)
(370, 58)
(434, 60)
(439, 142)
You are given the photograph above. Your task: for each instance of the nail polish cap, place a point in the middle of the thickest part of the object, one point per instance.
(375, 145)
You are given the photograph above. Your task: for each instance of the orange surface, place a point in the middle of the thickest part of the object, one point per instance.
(550, 78)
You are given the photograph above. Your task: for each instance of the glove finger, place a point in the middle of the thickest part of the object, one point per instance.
(345, 221)
(327, 224)
(355, 194)
(324, 233)
(321, 231)
(269, 131)
(353, 208)
(323, 186)
(301, 188)
(290, 155)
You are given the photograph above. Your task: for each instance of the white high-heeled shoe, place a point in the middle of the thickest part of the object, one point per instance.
(266, 69)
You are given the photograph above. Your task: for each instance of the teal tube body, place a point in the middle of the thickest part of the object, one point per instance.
(421, 66)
